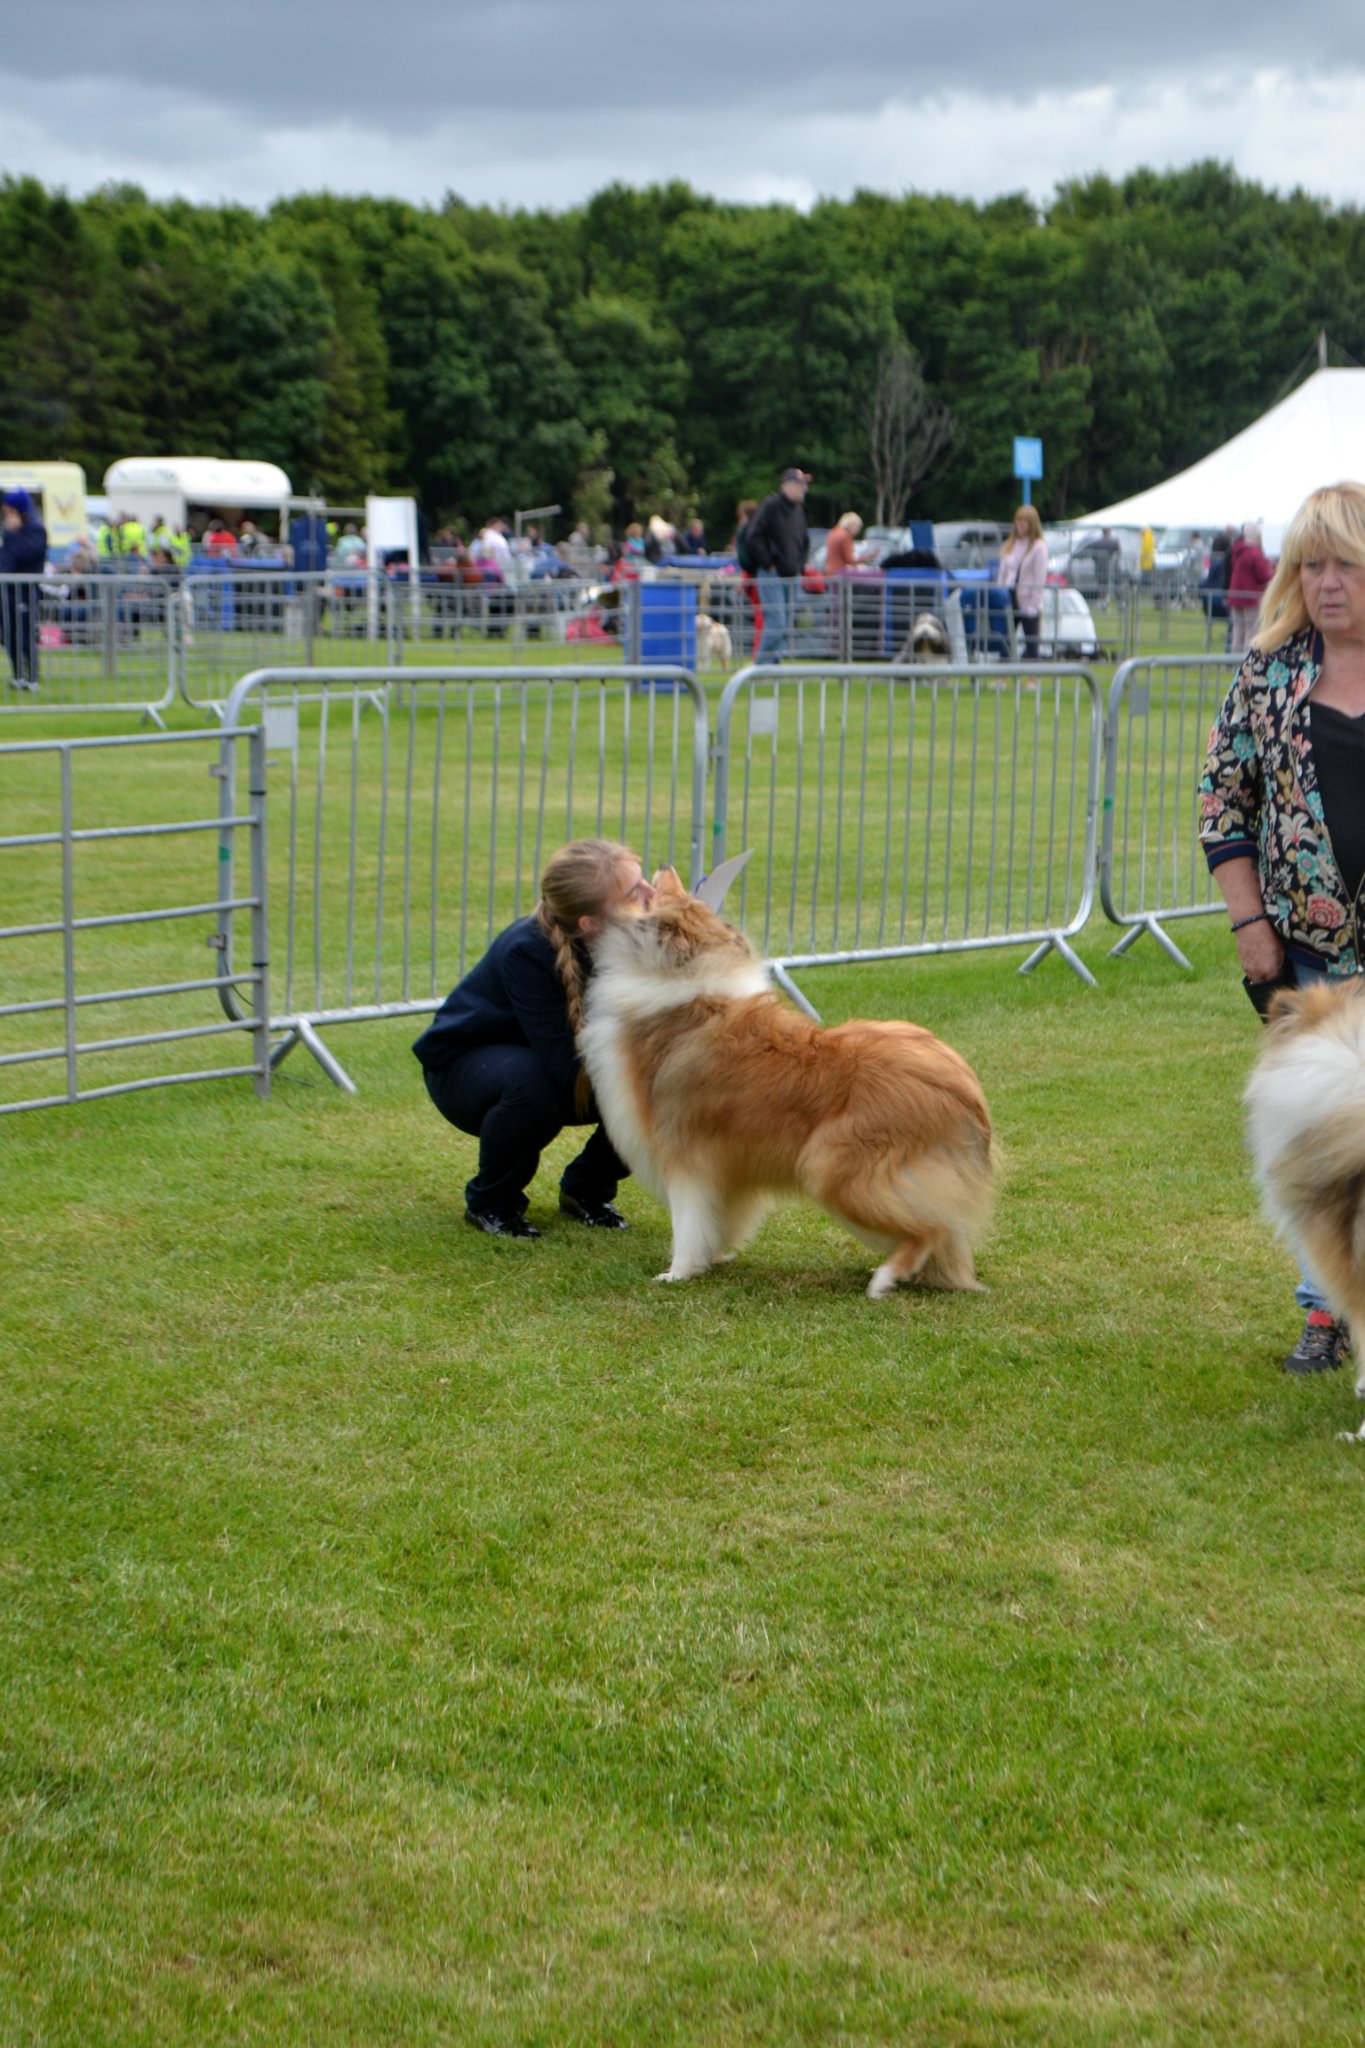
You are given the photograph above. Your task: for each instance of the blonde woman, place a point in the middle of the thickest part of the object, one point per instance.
(1282, 799)
(501, 1057)
(1022, 569)
(840, 551)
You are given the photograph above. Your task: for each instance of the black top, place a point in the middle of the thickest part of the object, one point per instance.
(777, 536)
(1338, 743)
(514, 996)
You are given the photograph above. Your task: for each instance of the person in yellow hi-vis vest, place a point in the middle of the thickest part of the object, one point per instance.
(1147, 551)
(181, 548)
(132, 537)
(106, 540)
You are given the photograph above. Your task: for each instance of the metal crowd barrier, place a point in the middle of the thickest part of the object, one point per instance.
(1160, 714)
(420, 805)
(906, 811)
(239, 619)
(73, 891)
(98, 643)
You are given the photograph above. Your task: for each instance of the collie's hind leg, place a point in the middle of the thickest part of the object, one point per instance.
(905, 1261)
(699, 1233)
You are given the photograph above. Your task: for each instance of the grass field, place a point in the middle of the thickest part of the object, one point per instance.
(410, 1637)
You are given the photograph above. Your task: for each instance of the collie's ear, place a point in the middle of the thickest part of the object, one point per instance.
(668, 886)
(712, 891)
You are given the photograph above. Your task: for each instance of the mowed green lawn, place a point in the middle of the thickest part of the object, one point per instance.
(411, 1637)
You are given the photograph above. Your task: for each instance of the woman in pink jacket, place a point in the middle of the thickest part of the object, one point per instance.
(1022, 569)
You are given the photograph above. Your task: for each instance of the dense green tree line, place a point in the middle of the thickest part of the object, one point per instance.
(656, 346)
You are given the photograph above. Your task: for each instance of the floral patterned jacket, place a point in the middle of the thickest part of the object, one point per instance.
(1259, 799)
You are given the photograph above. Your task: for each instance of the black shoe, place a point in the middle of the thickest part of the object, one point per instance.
(598, 1215)
(494, 1225)
(1321, 1348)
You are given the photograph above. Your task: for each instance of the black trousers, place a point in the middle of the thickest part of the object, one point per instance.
(19, 630)
(1028, 623)
(499, 1094)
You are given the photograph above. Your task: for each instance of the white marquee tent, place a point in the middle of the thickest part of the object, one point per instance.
(1315, 436)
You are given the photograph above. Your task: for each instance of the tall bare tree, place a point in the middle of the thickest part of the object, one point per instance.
(908, 430)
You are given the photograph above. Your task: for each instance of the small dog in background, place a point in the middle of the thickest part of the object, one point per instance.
(928, 640)
(1306, 1127)
(713, 643)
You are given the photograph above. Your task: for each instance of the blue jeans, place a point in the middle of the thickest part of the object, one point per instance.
(1308, 1294)
(777, 595)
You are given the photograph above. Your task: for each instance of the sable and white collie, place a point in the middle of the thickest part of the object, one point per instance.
(722, 1100)
(1306, 1125)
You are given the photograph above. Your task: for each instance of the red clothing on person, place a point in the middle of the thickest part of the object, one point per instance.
(1248, 576)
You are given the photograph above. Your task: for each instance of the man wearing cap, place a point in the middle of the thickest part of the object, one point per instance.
(777, 541)
(23, 552)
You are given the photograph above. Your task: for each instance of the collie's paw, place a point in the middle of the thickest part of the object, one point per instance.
(882, 1283)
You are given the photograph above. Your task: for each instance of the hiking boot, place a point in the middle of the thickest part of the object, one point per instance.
(597, 1215)
(494, 1225)
(1322, 1346)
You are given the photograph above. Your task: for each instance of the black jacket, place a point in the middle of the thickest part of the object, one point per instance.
(514, 996)
(778, 537)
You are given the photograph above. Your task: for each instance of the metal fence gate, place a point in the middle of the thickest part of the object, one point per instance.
(89, 929)
(903, 811)
(1156, 735)
(414, 809)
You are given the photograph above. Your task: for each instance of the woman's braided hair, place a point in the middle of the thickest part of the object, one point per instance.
(579, 881)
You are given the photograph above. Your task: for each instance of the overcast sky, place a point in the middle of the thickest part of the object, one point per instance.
(542, 102)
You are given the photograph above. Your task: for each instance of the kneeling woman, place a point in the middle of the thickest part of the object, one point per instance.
(501, 1058)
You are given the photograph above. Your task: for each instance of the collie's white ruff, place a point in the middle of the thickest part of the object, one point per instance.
(1306, 1127)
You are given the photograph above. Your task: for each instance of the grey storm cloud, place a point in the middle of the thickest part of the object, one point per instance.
(430, 60)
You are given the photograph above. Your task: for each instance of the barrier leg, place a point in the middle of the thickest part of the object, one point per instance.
(326, 1059)
(1163, 939)
(784, 981)
(1055, 941)
(280, 1051)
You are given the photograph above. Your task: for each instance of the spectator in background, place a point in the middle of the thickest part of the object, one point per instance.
(840, 550)
(350, 549)
(23, 552)
(250, 539)
(491, 552)
(739, 548)
(1147, 552)
(693, 540)
(219, 539)
(778, 539)
(1250, 570)
(163, 537)
(132, 538)
(1022, 569)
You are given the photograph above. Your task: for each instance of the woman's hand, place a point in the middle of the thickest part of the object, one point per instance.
(1260, 950)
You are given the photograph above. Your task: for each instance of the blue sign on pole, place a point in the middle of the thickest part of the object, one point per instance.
(1028, 462)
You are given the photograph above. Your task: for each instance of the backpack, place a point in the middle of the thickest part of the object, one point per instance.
(743, 552)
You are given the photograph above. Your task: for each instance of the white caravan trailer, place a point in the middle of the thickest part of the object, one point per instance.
(198, 487)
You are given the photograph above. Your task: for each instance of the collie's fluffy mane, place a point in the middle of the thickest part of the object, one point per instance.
(679, 951)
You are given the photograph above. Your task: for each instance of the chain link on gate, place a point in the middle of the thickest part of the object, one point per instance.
(94, 931)
(905, 810)
(1152, 870)
(422, 803)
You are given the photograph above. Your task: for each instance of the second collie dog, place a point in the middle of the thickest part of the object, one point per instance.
(1306, 1126)
(722, 1100)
